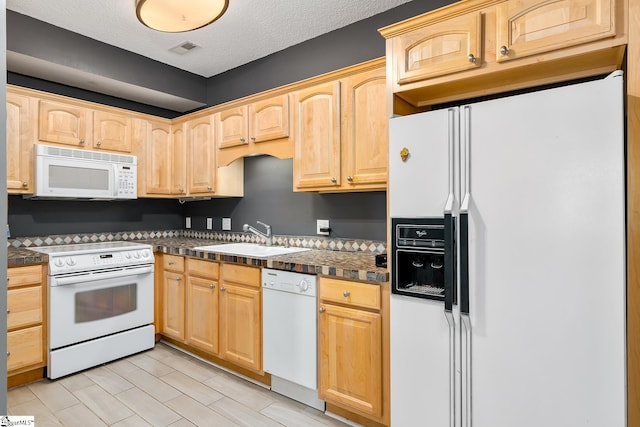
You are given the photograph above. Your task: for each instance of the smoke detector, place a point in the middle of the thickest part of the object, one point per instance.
(184, 47)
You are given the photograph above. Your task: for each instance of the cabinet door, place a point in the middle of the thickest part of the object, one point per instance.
(528, 27)
(111, 131)
(232, 127)
(269, 119)
(202, 314)
(316, 163)
(25, 348)
(438, 49)
(365, 139)
(178, 159)
(173, 299)
(202, 161)
(158, 161)
(350, 358)
(63, 123)
(241, 326)
(19, 139)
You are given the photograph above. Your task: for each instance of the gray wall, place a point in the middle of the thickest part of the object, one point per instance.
(3, 215)
(269, 198)
(346, 46)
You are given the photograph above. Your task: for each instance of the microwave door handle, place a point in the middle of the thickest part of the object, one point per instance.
(114, 182)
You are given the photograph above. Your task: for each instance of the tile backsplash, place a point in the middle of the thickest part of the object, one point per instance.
(312, 242)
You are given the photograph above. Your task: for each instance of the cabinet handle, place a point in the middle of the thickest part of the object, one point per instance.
(223, 288)
(212, 286)
(243, 139)
(322, 309)
(181, 190)
(504, 50)
(170, 263)
(25, 184)
(333, 180)
(98, 143)
(81, 141)
(346, 294)
(471, 58)
(253, 138)
(350, 178)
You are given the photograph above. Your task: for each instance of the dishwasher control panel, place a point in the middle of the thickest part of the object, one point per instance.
(289, 281)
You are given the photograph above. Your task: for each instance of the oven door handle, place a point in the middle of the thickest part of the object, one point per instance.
(102, 275)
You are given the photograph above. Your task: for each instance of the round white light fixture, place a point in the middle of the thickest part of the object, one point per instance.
(176, 16)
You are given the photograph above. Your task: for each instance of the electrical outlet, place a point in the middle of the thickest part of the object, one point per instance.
(187, 222)
(209, 223)
(322, 224)
(226, 224)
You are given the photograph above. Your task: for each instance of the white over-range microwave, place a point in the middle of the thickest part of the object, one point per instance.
(82, 174)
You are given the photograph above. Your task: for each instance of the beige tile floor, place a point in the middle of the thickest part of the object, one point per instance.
(159, 387)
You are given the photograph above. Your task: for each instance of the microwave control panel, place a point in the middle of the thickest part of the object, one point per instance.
(127, 181)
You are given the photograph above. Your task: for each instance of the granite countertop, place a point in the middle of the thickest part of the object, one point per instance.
(341, 264)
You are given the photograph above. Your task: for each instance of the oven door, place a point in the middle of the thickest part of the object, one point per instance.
(94, 304)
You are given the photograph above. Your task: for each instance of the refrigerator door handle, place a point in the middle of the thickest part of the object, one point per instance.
(452, 368)
(466, 373)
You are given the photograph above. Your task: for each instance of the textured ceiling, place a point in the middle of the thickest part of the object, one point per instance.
(250, 29)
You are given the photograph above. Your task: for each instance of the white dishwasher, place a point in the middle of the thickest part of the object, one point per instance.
(289, 328)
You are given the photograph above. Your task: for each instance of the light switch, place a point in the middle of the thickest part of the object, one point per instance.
(187, 222)
(209, 223)
(226, 224)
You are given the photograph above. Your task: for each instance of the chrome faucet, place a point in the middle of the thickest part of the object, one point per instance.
(266, 236)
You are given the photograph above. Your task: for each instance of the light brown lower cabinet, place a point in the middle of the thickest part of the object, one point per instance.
(26, 328)
(241, 316)
(173, 297)
(202, 305)
(350, 351)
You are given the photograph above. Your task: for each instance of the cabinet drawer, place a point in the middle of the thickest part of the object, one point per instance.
(351, 293)
(24, 348)
(24, 306)
(241, 274)
(529, 27)
(173, 263)
(206, 269)
(22, 276)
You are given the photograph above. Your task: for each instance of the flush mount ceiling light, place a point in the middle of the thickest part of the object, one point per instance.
(176, 16)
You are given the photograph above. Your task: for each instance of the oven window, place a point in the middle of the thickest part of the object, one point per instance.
(105, 303)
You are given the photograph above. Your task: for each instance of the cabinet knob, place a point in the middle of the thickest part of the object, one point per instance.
(8, 353)
(350, 178)
(471, 58)
(243, 139)
(178, 279)
(209, 187)
(223, 288)
(25, 184)
(322, 309)
(170, 263)
(333, 180)
(98, 143)
(181, 190)
(253, 138)
(81, 141)
(346, 294)
(504, 50)
(212, 286)
(8, 311)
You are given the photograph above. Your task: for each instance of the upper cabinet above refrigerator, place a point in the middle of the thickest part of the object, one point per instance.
(479, 47)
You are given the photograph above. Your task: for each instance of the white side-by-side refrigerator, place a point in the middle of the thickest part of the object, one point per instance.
(535, 334)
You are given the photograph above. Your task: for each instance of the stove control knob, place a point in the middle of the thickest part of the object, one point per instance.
(136, 255)
(127, 255)
(146, 253)
(303, 285)
(71, 261)
(58, 262)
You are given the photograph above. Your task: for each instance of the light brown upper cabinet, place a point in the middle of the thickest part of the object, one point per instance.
(164, 158)
(73, 124)
(316, 163)
(529, 27)
(259, 121)
(201, 160)
(480, 47)
(439, 49)
(341, 137)
(19, 143)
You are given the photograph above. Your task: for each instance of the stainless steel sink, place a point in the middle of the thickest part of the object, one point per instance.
(249, 249)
